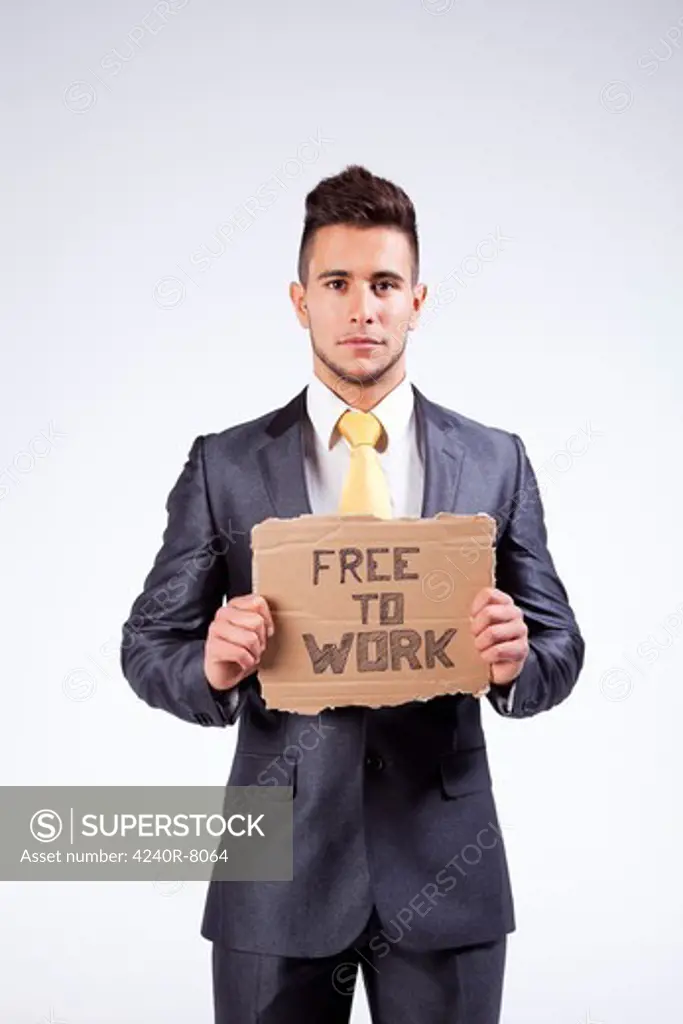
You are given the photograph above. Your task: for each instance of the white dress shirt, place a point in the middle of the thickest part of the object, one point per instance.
(327, 455)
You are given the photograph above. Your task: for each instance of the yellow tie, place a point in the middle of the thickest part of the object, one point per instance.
(365, 490)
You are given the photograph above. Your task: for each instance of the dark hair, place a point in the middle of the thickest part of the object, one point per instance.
(357, 197)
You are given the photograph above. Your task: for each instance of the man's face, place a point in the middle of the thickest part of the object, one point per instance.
(359, 285)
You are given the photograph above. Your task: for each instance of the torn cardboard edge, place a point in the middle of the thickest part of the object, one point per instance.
(371, 612)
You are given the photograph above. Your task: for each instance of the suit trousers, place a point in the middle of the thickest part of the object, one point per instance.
(445, 986)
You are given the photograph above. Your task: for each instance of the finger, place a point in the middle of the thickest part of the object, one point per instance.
(515, 650)
(489, 595)
(224, 650)
(248, 620)
(494, 613)
(263, 607)
(246, 612)
(257, 603)
(499, 633)
(238, 635)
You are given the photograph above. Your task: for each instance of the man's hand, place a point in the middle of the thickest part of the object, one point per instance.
(500, 634)
(236, 640)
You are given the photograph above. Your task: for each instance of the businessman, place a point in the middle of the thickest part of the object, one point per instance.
(399, 863)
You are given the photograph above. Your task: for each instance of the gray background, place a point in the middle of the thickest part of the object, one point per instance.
(556, 125)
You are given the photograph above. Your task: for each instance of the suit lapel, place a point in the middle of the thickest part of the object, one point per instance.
(443, 454)
(281, 458)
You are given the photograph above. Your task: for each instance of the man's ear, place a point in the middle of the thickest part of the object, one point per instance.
(297, 294)
(419, 298)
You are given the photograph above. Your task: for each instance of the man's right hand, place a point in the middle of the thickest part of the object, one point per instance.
(236, 639)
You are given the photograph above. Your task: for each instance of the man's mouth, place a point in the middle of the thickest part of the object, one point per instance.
(361, 340)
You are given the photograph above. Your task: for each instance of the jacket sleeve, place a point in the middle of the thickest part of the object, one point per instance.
(525, 570)
(162, 648)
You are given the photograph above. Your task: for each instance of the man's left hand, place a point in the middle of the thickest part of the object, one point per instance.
(500, 634)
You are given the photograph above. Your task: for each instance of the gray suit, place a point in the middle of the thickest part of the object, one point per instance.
(393, 807)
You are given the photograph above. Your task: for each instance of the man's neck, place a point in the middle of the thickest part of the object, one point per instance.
(362, 397)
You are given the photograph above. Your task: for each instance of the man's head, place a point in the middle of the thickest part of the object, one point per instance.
(358, 270)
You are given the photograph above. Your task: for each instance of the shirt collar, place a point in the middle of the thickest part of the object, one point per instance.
(324, 408)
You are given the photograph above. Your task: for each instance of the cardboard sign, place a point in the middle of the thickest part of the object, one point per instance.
(369, 611)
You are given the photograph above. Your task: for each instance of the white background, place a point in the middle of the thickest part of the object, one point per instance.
(557, 127)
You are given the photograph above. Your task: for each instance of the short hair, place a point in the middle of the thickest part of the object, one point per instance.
(357, 197)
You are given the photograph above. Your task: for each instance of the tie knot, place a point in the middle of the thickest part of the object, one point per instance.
(360, 428)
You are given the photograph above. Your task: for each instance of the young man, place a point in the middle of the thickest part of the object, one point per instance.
(399, 863)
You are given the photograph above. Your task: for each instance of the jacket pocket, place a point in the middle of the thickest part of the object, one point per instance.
(264, 770)
(464, 772)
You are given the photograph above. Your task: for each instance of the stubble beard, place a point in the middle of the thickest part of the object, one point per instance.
(362, 380)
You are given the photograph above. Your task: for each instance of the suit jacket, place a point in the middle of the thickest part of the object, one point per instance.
(392, 806)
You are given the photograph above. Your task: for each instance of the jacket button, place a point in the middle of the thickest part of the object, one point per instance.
(374, 762)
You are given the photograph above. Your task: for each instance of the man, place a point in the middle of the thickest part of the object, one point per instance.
(399, 864)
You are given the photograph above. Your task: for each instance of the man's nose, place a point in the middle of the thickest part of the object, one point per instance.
(362, 306)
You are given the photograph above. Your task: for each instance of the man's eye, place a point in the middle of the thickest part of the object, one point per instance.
(340, 281)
